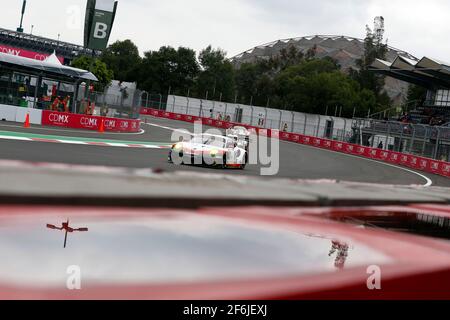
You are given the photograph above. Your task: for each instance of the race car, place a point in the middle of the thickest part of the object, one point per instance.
(210, 150)
(240, 135)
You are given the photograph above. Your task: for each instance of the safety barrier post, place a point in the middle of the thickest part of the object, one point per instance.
(386, 146)
(435, 155)
(281, 119)
(293, 121)
(318, 127)
(425, 137)
(265, 117)
(411, 145)
(304, 127)
(401, 140)
(187, 106)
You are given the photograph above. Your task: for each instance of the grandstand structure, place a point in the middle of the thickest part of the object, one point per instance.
(26, 41)
(345, 50)
(429, 73)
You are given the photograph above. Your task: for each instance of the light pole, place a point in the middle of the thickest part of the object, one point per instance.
(146, 100)
(20, 28)
(160, 101)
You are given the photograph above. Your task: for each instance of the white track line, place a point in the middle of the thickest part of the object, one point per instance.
(74, 131)
(15, 138)
(429, 182)
(87, 143)
(168, 128)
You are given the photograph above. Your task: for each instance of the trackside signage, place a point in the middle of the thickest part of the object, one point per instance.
(79, 121)
(26, 53)
(100, 16)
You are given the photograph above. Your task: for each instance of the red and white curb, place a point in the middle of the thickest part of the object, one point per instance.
(89, 143)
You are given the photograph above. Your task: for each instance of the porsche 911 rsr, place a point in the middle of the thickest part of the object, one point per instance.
(211, 150)
(240, 135)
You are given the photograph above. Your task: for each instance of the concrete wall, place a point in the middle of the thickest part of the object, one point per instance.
(35, 115)
(7, 113)
(309, 124)
(18, 114)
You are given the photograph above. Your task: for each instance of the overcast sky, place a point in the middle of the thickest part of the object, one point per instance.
(420, 27)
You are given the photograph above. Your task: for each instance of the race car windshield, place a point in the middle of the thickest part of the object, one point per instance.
(219, 142)
(198, 140)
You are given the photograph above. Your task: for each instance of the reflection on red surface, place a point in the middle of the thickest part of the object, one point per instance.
(418, 266)
(65, 226)
(342, 253)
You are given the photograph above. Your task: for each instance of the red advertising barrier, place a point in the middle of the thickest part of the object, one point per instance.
(79, 121)
(415, 162)
(26, 53)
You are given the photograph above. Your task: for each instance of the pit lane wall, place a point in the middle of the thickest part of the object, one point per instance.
(17, 114)
(79, 121)
(415, 162)
(68, 120)
(307, 124)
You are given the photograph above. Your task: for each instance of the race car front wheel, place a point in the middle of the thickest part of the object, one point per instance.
(180, 155)
(224, 162)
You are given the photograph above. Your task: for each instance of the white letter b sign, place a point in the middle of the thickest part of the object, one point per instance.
(100, 30)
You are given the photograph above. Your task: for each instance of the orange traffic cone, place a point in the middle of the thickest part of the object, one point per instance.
(27, 121)
(102, 127)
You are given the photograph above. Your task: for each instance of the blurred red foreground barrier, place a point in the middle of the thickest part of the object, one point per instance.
(80, 121)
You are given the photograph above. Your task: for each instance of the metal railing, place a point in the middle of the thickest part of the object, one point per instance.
(418, 139)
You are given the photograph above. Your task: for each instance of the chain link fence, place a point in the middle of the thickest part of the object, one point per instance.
(418, 139)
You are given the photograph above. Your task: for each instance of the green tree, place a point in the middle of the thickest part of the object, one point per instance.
(317, 85)
(98, 68)
(303, 84)
(246, 79)
(373, 49)
(416, 95)
(168, 68)
(122, 57)
(216, 76)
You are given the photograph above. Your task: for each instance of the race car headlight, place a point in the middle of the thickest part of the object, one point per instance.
(214, 153)
(177, 146)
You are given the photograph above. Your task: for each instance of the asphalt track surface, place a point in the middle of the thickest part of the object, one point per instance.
(296, 161)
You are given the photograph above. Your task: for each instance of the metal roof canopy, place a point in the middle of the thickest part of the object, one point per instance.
(44, 68)
(313, 39)
(427, 72)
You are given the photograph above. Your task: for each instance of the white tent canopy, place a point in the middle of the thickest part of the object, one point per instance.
(53, 59)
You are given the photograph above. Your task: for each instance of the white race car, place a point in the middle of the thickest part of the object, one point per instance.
(211, 150)
(240, 135)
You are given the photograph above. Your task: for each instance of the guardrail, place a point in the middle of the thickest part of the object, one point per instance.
(415, 162)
